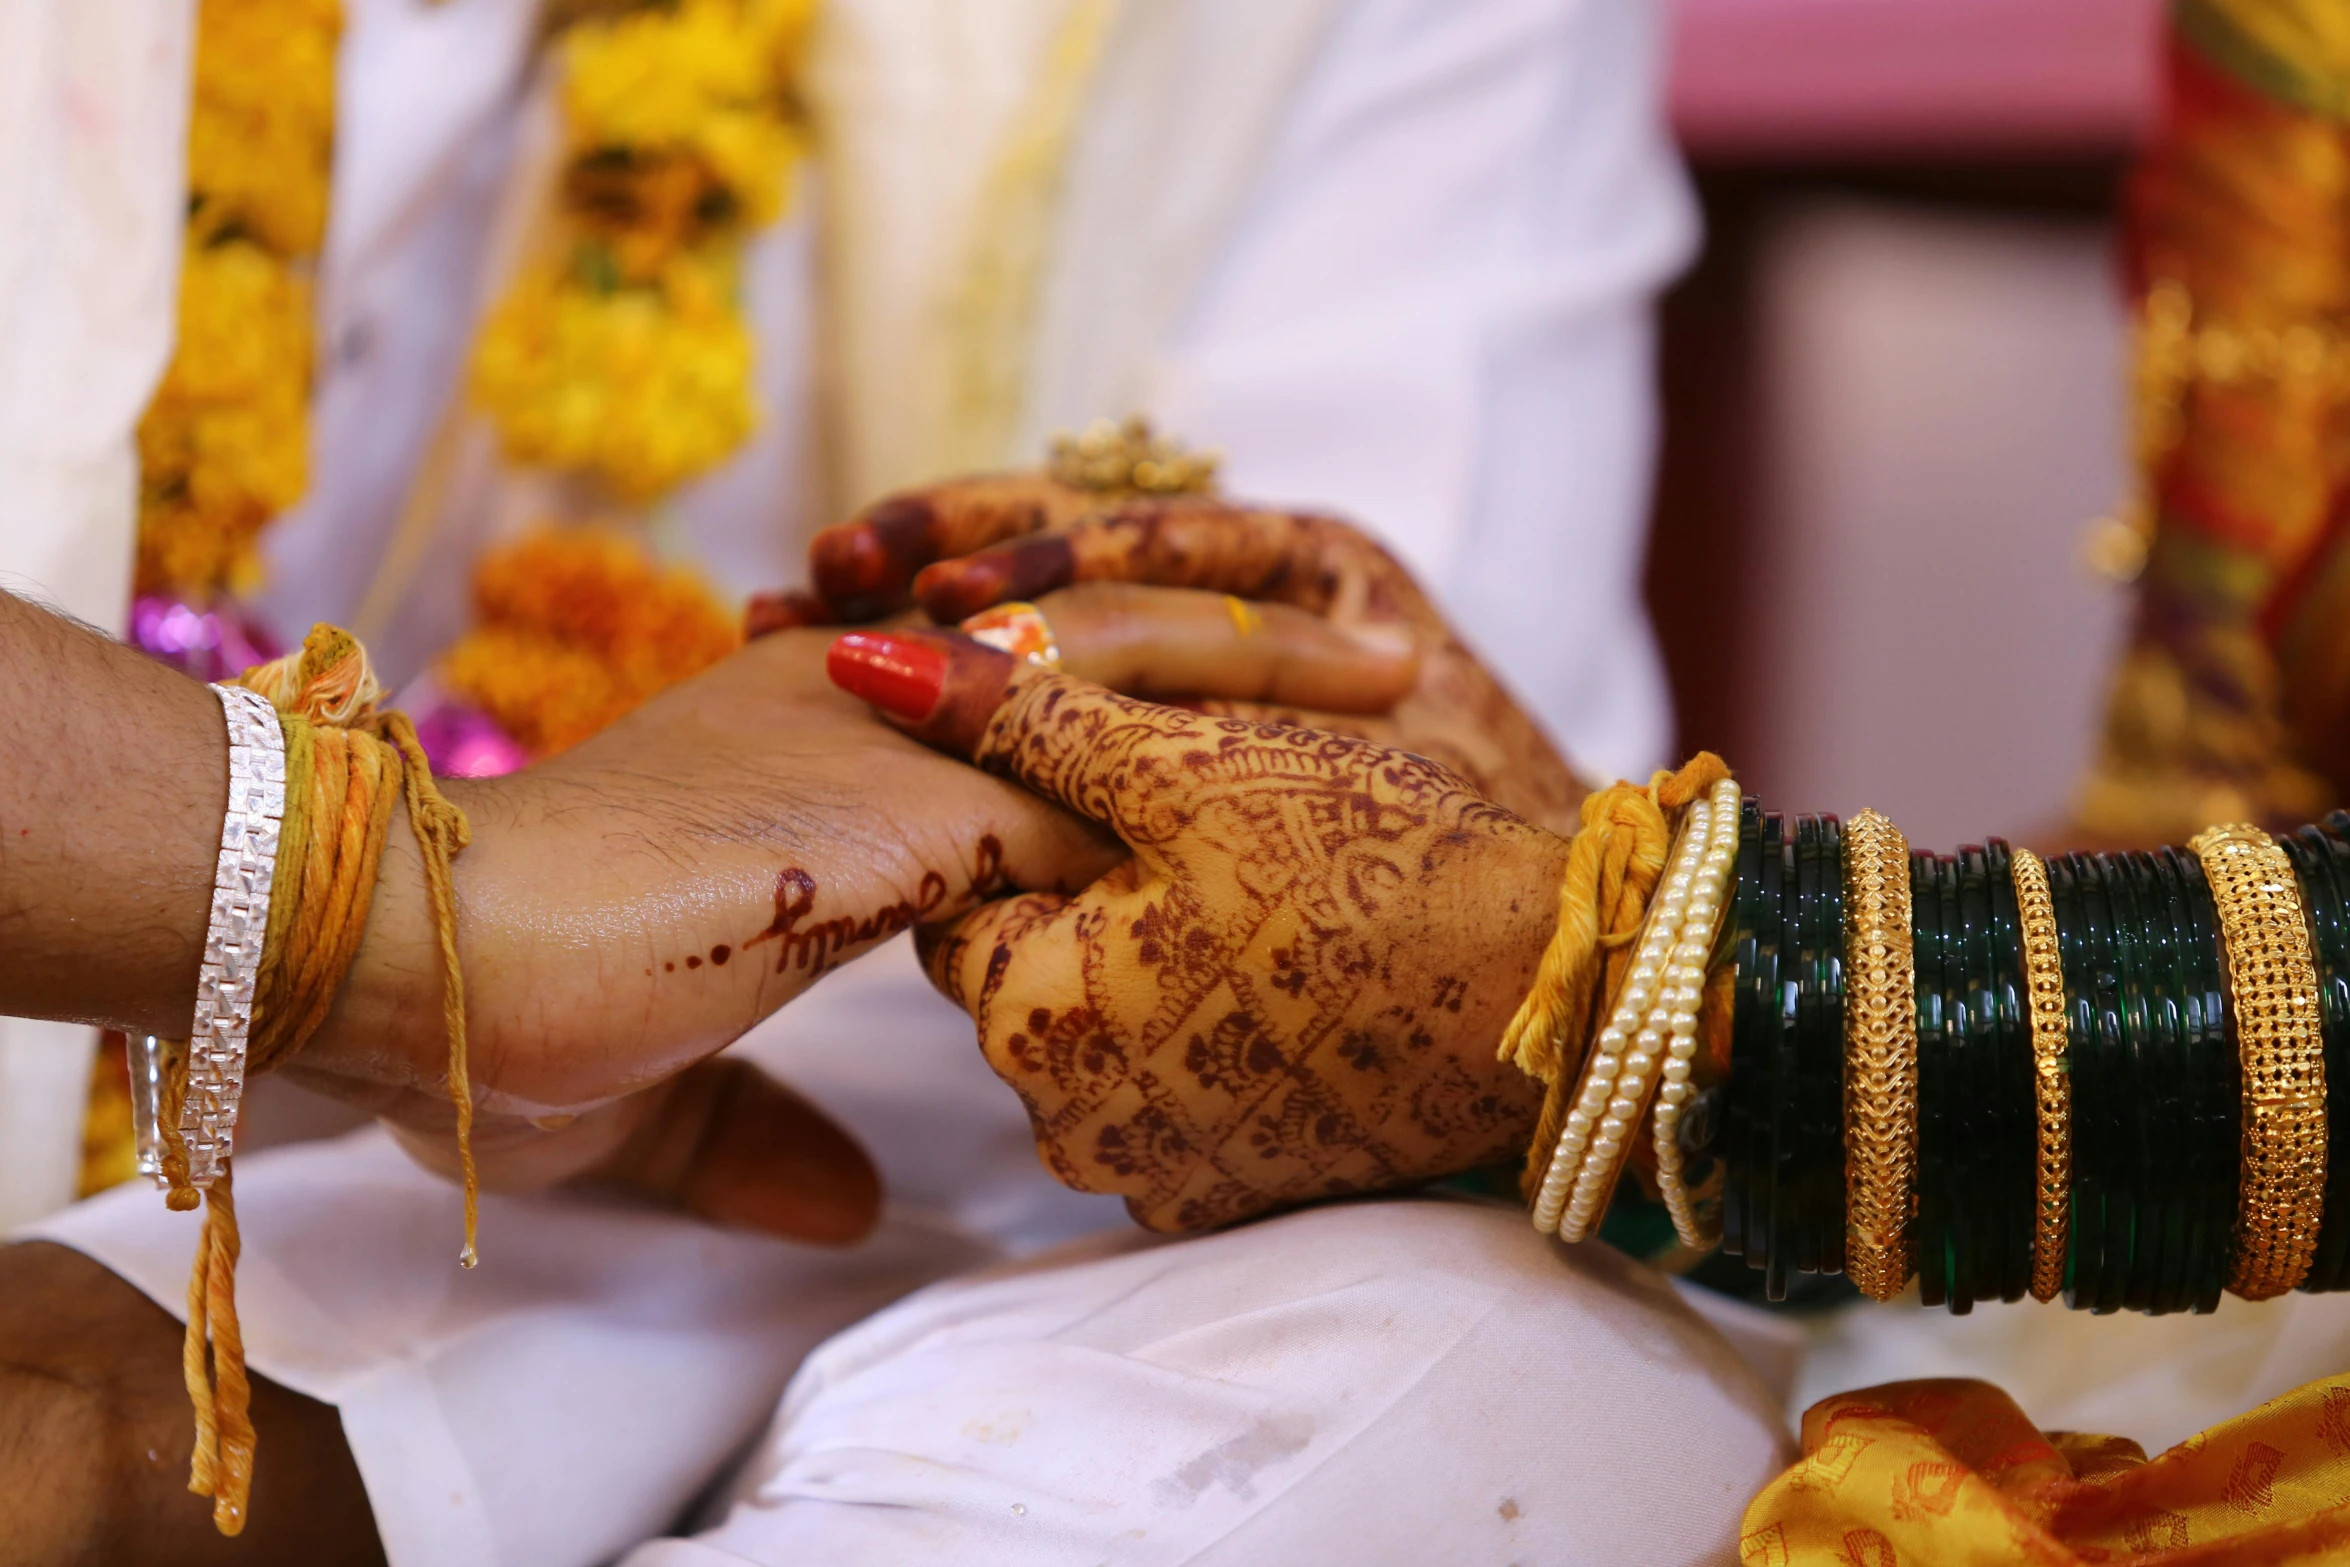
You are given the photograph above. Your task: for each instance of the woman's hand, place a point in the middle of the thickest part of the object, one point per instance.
(961, 546)
(1293, 990)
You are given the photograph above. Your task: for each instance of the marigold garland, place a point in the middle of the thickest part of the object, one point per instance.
(223, 446)
(624, 353)
(577, 627)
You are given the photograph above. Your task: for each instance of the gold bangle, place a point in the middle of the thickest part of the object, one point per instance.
(2052, 1084)
(2272, 994)
(1880, 1058)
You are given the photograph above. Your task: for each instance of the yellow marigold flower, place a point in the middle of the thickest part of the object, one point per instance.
(577, 627)
(647, 386)
(703, 77)
(548, 695)
(261, 131)
(224, 443)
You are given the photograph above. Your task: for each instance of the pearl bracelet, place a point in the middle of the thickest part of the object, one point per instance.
(1694, 954)
(233, 939)
(1656, 1008)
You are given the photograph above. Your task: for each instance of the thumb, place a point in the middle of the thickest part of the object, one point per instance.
(1119, 761)
(721, 1140)
(732, 1145)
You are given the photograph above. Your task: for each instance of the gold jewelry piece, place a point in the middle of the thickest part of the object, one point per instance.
(1018, 629)
(1651, 1032)
(1247, 620)
(1701, 1230)
(2272, 992)
(2052, 1083)
(1128, 459)
(1880, 1058)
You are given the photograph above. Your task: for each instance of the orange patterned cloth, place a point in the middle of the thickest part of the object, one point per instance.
(1950, 1474)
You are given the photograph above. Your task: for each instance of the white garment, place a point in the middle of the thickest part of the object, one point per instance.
(93, 123)
(572, 1394)
(1416, 293)
(1404, 1381)
(1429, 307)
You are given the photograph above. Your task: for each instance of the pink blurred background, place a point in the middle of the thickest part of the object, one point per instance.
(1894, 397)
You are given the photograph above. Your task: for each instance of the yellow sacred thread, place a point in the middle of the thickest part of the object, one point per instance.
(345, 762)
(1612, 869)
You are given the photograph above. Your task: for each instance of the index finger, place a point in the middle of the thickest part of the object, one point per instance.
(1129, 765)
(863, 567)
(1315, 563)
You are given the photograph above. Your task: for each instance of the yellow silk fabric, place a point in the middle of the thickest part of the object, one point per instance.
(1951, 1474)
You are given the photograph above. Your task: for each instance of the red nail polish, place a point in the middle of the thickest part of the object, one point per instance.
(899, 675)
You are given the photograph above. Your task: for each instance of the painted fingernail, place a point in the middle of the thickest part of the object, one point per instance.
(899, 675)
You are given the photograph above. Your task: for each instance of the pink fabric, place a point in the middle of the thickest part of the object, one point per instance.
(1757, 78)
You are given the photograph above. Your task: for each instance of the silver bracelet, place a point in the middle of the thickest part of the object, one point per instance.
(232, 952)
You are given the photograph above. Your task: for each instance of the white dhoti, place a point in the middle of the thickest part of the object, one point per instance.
(1404, 1380)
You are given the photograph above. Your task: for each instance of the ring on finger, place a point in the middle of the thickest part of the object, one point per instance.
(1018, 629)
(1247, 619)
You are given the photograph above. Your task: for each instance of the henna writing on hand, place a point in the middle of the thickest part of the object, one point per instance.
(816, 948)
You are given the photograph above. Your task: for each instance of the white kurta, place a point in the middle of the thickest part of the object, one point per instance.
(93, 127)
(1417, 289)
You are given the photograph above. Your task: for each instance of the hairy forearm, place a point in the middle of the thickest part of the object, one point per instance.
(113, 778)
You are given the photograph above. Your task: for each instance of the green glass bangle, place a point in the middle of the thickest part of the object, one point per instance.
(2111, 1107)
(1803, 1232)
(1966, 970)
(2190, 1153)
(1934, 1125)
(2175, 1191)
(1827, 1056)
(2141, 1074)
(1778, 1225)
(2140, 917)
(1747, 1061)
(2217, 1091)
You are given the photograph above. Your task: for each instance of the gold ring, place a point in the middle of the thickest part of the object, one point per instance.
(1880, 1058)
(1018, 629)
(1246, 619)
(2272, 992)
(2052, 1084)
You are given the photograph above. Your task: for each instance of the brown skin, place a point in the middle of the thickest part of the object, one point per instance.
(1294, 988)
(593, 905)
(95, 1431)
(611, 914)
(1456, 712)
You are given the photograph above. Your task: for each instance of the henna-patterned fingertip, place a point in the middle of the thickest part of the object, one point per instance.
(787, 610)
(899, 675)
(954, 590)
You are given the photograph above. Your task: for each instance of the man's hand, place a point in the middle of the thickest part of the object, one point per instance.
(635, 904)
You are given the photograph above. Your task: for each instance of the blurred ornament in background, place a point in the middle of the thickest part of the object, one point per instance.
(1130, 458)
(461, 740)
(215, 642)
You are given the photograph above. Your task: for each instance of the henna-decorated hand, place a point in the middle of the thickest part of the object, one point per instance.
(1293, 990)
(964, 545)
(639, 901)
